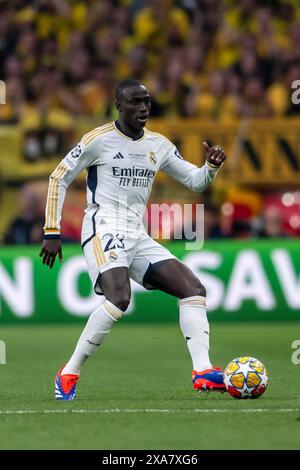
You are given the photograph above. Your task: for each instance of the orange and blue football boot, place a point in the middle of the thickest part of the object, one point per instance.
(209, 380)
(65, 386)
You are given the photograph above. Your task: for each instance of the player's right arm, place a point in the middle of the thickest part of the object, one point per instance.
(79, 158)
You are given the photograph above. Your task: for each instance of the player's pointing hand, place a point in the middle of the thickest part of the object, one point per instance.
(214, 155)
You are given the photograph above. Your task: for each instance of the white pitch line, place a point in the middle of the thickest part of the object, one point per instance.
(116, 411)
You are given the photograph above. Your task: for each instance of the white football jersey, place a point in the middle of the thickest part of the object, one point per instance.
(120, 174)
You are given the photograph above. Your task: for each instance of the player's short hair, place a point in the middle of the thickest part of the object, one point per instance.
(126, 84)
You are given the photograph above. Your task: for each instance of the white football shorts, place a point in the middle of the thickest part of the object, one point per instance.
(106, 247)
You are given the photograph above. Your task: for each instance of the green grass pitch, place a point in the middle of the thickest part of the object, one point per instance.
(136, 392)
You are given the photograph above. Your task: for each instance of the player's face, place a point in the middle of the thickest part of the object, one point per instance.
(134, 106)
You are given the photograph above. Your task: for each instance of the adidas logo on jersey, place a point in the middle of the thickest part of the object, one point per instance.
(119, 155)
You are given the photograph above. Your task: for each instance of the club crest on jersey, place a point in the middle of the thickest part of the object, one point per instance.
(112, 256)
(76, 152)
(152, 158)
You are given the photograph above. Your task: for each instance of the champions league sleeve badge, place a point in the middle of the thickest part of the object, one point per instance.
(76, 152)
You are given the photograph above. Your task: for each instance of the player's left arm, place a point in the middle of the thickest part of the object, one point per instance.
(78, 159)
(195, 178)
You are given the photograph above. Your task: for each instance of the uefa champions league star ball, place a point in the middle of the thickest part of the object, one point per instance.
(245, 377)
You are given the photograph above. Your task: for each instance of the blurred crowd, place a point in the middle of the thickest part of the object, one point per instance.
(207, 59)
(218, 59)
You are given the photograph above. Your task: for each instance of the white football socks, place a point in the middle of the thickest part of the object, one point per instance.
(195, 329)
(98, 326)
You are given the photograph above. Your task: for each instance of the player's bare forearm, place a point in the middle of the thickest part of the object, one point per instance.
(214, 155)
(50, 249)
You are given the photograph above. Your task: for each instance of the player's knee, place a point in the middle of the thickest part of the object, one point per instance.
(121, 301)
(201, 290)
(196, 289)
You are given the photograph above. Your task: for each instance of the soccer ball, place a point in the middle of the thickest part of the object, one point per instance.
(245, 377)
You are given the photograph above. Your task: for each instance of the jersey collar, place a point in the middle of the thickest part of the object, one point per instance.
(118, 129)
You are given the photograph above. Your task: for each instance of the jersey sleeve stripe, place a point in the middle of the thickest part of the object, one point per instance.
(47, 210)
(53, 179)
(64, 171)
(93, 137)
(157, 134)
(87, 138)
(55, 190)
(96, 130)
(52, 190)
(49, 206)
(56, 194)
(52, 199)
